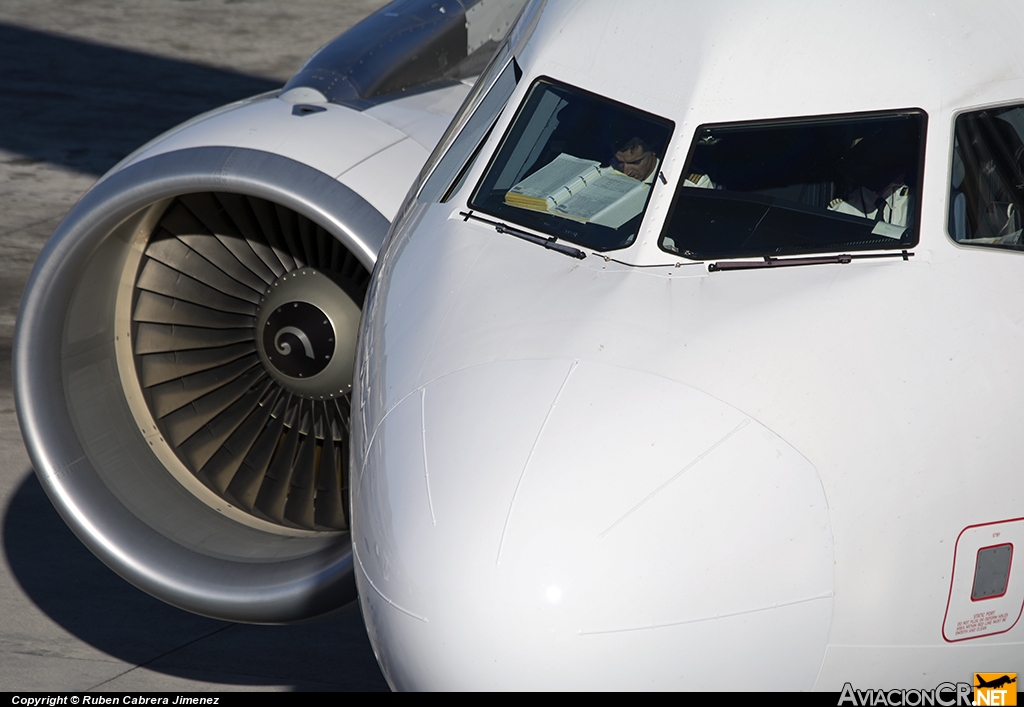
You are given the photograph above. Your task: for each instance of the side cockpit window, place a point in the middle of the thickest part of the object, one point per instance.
(467, 132)
(986, 191)
(799, 186)
(575, 166)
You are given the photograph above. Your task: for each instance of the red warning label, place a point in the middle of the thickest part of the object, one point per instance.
(980, 623)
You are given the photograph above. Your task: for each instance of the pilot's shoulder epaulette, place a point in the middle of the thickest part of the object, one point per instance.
(835, 202)
(903, 191)
(695, 177)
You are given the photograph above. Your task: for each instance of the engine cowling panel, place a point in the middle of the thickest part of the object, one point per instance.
(155, 428)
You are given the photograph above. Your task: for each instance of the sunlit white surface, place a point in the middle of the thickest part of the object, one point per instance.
(704, 467)
(377, 153)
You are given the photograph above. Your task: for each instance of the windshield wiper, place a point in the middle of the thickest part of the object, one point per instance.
(770, 262)
(550, 243)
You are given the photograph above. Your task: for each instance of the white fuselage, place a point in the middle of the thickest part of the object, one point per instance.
(627, 472)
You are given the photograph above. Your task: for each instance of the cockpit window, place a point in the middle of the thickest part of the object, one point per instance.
(790, 187)
(575, 166)
(475, 126)
(986, 197)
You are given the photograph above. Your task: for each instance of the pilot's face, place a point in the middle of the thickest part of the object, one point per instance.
(635, 162)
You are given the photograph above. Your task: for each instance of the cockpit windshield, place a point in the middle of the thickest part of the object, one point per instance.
(575, 166)
(800, 186)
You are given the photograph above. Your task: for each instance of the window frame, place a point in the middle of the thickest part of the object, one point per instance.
(1016, 103)
(796, 121)
(475, 194)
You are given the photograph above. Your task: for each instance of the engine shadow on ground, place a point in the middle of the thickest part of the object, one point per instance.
(84, 105)
(88, 600)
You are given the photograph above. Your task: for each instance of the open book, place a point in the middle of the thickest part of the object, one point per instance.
(581, 190)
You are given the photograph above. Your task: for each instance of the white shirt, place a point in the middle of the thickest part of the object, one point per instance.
(895, 210)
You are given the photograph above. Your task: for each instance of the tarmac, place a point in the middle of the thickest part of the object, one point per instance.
(82, 83)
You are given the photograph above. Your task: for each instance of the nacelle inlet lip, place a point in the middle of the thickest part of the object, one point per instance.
(309, 580)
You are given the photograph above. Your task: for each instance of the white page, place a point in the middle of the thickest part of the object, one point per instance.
(564, 170)
(599, 195)
(888, 230)
(624, 209)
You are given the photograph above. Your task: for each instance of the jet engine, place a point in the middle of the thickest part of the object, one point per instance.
(184, 352)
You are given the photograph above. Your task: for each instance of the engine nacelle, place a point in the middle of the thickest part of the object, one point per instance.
(184, 351)
(165, 441)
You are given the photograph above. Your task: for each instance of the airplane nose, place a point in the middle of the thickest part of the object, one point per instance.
(554, 524)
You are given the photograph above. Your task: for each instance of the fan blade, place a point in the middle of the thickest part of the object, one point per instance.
(273, 492)
(221, 468)
(299, 508)
(186, 421)
(200, 447)
(266, 216)
(330, 507)
(151, 307)
(176, 254)
(157, 277)
(215, 218)
(238, 210)
(158, 368)
(159, 338)
(215, 251)
(290, 232)
(247, 481)
(168, 397)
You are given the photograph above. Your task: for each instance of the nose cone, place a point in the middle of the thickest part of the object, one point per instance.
(555, 524)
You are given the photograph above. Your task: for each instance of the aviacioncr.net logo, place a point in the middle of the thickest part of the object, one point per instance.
(995, 689)
(947, 694)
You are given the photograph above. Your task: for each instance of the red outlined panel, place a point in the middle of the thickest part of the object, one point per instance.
(968, 618)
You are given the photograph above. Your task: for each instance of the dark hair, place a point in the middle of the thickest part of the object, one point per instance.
(632, 143)
(879, 157)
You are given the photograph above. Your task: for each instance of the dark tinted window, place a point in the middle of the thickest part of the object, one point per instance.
(800, 186)
(986, 200)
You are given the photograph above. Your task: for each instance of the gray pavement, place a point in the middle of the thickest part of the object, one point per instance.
(82, 83)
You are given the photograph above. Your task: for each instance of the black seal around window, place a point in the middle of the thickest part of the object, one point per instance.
(986, 189)
(557, 128)
(796, 186)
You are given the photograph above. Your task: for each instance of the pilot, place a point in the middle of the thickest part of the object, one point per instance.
(891, 204)
(877, 164)
(636, 159)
